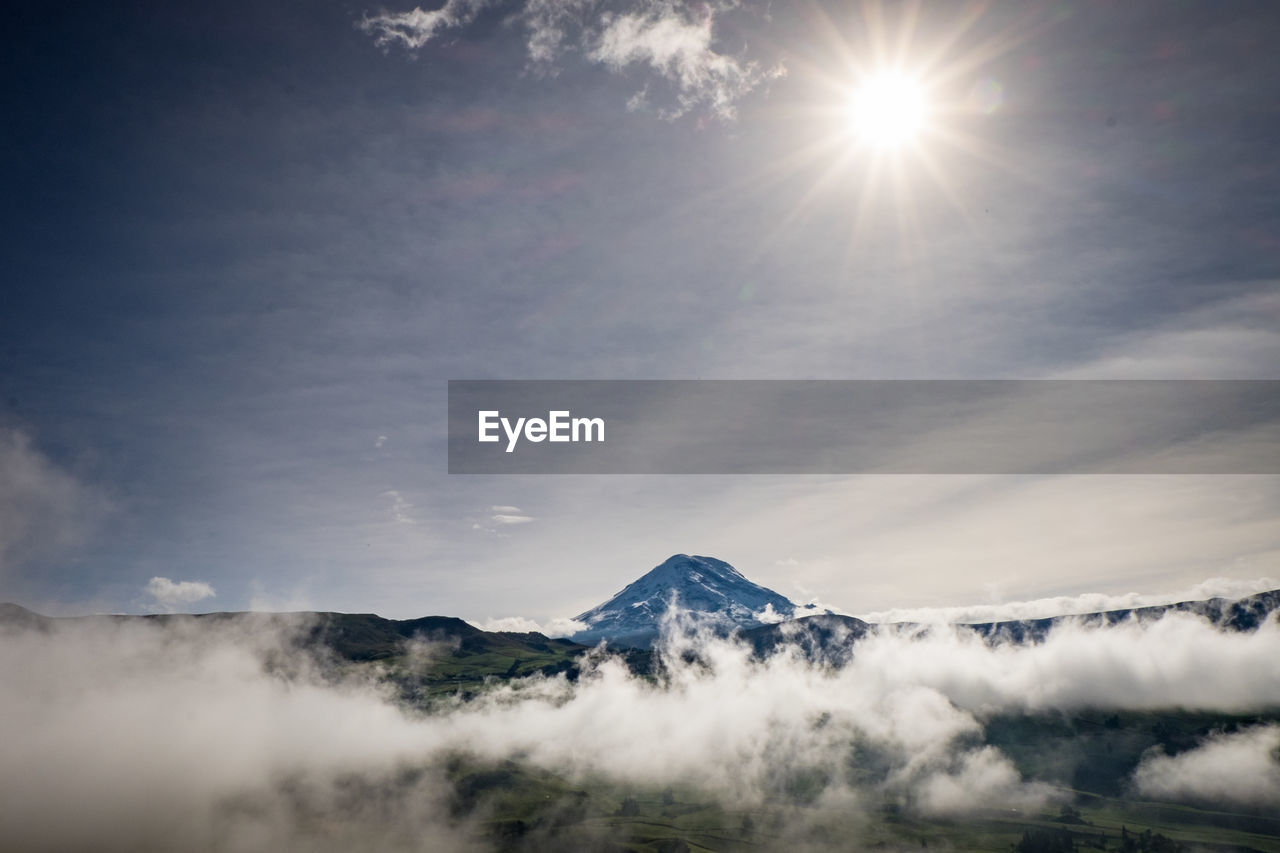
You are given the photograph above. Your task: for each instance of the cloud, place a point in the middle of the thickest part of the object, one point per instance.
(935, 542)
(170, 594)
(674, 42)
(563, 626)
(559, 627)
(735, 727)
(45, 511)
(978, 779)
(517, 624)
(399, 507)
(1228, 588)
(304, 755)
(176, 738)
(810, 602)
(509, 515)
(265, 600)
(415, 28)
(1228, 338)
(502, 515)
(1241, 769)
(552, 24)
(1180, 660)
(768, 615)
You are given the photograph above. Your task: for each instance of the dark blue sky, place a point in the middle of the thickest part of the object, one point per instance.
(246, 244)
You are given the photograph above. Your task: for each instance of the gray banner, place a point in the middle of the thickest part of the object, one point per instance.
(862, 426)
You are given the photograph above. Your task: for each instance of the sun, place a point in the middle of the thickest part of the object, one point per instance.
(888, 110)
(895, 107)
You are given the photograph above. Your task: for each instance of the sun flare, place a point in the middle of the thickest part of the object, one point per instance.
(888, 110)
(893, 113)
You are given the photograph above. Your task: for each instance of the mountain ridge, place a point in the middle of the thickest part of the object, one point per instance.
(830, 637)
(711, 595)
(356, 637)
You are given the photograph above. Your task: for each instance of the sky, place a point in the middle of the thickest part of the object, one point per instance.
(247, 244)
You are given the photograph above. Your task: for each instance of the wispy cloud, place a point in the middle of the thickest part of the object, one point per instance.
(1234, 337)
(44, 509)
(400, 507)
(500, 516)
(263, 598)
(672, 41)
(415, 28)
(676, 43)
(553, 26)
(169, 594)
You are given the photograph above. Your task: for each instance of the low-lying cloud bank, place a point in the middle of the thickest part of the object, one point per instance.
(130, 735)
(1178, 661)
(1095, 602)
(1240, 768)
(138, 736)
(558, 627)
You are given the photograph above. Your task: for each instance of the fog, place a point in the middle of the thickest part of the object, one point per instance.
(1241, 768)
(137, 735)
(133, 736)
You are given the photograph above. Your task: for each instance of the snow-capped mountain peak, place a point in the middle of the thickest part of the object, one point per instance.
(713, 590)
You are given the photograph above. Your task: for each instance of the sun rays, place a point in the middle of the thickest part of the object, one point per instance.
(892, 113)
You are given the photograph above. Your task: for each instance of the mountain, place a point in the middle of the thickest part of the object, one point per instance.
(713, 593)
(825, 637)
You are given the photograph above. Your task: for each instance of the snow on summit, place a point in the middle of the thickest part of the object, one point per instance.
(711, 590)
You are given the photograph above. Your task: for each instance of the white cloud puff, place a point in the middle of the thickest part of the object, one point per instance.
(170, 594)
(1241, 769)
(415, 28)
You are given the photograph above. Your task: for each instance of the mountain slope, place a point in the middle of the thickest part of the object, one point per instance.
(712, 591)
(825, 637)
(352, 637)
